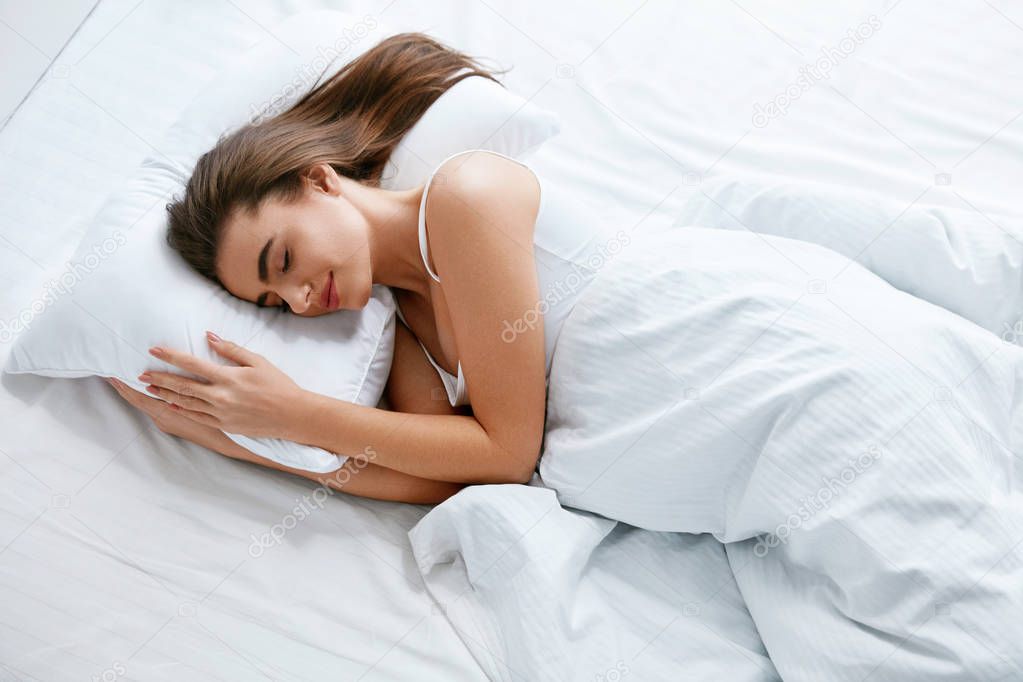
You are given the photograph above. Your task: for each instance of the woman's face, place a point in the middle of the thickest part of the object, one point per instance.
(311, 255)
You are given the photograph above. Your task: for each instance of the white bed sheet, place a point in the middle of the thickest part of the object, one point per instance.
(121, 547)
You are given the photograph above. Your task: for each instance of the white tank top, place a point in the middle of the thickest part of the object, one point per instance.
(569, 247)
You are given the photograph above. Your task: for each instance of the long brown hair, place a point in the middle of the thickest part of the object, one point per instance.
(353, 121)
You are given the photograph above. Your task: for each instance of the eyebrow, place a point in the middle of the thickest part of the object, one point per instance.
(261, 301)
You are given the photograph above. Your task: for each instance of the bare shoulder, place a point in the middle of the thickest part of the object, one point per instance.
(481, 188)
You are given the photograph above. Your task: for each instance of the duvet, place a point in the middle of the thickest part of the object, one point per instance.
(856, 447)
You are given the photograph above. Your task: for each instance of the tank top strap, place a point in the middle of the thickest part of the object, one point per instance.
(424, 249)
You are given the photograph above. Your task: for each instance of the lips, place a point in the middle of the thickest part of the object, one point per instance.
(328, 298)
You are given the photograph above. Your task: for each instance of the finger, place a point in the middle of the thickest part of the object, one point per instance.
(113, 384)
(198, 417)
(232, 351)
(135, 398)
(184, 401)
(123, 391)
(187, 362)
(181, 385)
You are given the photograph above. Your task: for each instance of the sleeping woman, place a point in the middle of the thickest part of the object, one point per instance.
(288, 212)
(686, 365)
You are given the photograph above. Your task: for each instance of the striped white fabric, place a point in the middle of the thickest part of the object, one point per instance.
(857, 444)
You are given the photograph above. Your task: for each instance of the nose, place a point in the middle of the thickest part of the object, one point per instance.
(297, 297)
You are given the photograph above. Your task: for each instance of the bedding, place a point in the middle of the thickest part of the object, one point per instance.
(864, 435)
(549, 594)
(125, 290)
(952, 257)
(851, 445)
(101, 516)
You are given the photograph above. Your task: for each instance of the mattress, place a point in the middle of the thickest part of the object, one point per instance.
(128, 554)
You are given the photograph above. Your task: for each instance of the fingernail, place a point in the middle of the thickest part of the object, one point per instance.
(145, 377)
(212, 337)
(156, 351)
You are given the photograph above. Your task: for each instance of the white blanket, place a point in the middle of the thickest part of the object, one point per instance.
(730, 383)
(546, 594)
(956, 258)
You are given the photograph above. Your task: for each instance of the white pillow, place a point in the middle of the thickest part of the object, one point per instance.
(129, 291)
(954, 258)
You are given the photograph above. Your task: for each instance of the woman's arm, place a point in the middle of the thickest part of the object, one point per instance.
(481, 226)
(356, 477)
(443, 447)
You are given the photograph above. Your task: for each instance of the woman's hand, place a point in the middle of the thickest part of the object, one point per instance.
(168, 419)
(252, 399)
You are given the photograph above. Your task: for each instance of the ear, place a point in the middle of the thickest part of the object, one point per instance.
(323, 178)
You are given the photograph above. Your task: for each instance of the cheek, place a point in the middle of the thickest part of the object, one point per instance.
(336, 233)
(351, 229)
(349, 241)
(335, 237)
(354, 272)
